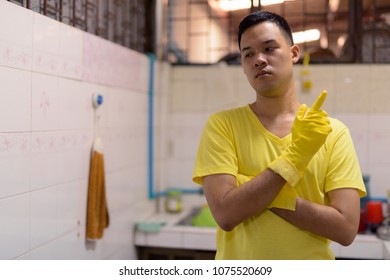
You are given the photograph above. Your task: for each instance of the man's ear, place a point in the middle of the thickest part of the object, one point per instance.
(295, 53)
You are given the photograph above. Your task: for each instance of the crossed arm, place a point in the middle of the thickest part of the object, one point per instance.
(338, 221)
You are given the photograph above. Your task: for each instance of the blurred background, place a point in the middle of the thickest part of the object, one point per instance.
(161, 68)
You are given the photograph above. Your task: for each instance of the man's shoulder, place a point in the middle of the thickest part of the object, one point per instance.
(337, 123)
(338, 127)
(231, 113)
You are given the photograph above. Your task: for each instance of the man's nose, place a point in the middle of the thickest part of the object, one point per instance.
(260, 60)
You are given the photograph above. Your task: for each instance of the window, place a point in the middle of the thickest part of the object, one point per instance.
(128, 23)
(204, 31)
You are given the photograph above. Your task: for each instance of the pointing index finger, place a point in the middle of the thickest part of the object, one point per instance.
(320, 100)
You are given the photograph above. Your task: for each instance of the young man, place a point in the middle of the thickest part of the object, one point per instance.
(282, 180)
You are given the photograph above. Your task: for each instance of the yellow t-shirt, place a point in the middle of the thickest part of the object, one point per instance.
(235, 142)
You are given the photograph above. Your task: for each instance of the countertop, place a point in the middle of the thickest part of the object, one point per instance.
(172, 235)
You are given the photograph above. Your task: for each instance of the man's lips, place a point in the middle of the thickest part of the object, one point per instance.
(262, 74)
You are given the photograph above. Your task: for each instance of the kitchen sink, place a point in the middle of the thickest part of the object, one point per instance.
(187, 220)
(198, 217)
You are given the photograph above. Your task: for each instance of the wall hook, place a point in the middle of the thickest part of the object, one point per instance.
(97, 100)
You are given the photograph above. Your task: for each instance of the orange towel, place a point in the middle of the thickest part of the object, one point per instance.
(97, 212)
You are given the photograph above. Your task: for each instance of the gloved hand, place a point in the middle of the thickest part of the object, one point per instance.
(309, 132)
(286, 198)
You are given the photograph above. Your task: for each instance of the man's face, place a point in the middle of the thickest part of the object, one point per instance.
(267, 58)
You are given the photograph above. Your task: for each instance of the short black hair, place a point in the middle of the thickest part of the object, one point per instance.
(264, 16)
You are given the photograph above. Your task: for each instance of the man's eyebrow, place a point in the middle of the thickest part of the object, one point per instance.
(245, 49)
(267, 42)
(270, 41)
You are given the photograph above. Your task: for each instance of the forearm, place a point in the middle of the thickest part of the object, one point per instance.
(325, 221)
(232, 205)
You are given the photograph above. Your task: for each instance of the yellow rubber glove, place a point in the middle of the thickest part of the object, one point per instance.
(285, 199)
(309, 132)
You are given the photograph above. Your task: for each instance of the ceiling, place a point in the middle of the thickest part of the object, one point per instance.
(311, 12)
(338, 21)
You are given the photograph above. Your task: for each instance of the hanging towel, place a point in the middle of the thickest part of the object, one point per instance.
(97, 212)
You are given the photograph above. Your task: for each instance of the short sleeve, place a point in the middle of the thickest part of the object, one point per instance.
(344, 169)
(216, 152)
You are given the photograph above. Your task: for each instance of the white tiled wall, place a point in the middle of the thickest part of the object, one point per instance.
(358, 96)
(48, 74)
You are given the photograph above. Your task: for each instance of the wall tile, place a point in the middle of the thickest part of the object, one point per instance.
(187, 73)
(15, 226)
(322, 78)
(82, 206)
(180, 177)
(75, 105)
(59, 103)
(90, 90)
(349, 97)
(380, 71)
(124, 148)
(138, 185)
(69, 205)
(110, 64)
(70, 52)
(379, 85)
(46, 45)
(379, 153)
(68, 247)
(119, 195)
(14, 163)
(122, 240)
(219, 85)
(15, 93)
(188, 119)
(16, 39)
(44, 216)
(46, 134)
(188, 96)
(44, 170)
(377, 121)
(379, 178)
(15, 176)
(58, 157)
(45, 105)
(75, 163)
(123, 105)
(245, 94)
(163, 72)
(183, 141)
